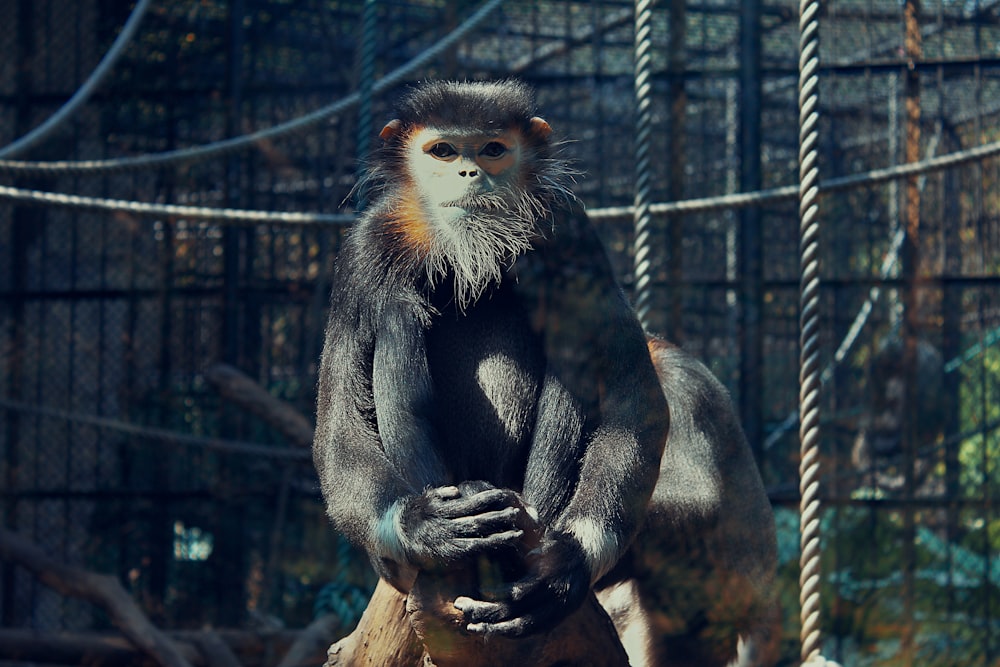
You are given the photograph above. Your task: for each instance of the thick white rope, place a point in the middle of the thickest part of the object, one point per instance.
(809, 370)
(789, 192)
(739, 200)
(642, 250)
(143, 209)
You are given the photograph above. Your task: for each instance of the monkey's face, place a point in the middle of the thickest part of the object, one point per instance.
(461, 174)
(472, 199)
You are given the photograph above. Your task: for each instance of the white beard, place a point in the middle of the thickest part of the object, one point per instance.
(476, 247)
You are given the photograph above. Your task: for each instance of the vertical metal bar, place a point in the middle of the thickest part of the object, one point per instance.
(911, 321)
(231, 235)
(20, 235)
(236, 328)
(979, 208)
(369, 23)
(751, 263)
(953, 296)
(678, 161)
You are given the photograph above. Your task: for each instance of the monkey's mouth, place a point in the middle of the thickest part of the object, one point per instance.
(486, 203)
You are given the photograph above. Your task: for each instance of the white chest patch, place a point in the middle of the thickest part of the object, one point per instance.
(502, 381)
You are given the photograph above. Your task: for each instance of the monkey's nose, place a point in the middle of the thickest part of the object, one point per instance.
(470, 173)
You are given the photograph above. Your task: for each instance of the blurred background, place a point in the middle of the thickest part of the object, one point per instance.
(158, 366)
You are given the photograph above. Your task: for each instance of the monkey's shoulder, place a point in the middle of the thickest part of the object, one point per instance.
(569, 242)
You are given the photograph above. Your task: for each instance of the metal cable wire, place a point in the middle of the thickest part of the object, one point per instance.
(643, 173)
(369, 26)
(809, 371)
(83, 93)
(244, 142)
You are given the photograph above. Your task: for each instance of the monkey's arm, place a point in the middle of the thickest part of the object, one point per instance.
(623, 445)
(603, 413)
(385, 485)
(596, 348)
(587, 535)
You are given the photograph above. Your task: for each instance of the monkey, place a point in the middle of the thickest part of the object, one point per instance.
(878, 451)
(483, 372)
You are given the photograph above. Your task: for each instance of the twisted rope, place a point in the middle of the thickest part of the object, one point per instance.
(643, 172)
(788, 192)
(244, 142)
(861, 319)
(142, 209)
(732, 201)
(809, 372)
(84, 92)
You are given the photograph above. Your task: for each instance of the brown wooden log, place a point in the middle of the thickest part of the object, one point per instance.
(239, 388)
(425, 630)
(383, 636)
(100, 589)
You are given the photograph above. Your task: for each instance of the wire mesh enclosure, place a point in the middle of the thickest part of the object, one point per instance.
(119, 452)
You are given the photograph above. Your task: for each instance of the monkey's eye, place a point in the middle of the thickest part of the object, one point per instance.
(442, 151)
(493, 149)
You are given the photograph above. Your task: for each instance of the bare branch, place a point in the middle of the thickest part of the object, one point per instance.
(236, 386)
(101, 589)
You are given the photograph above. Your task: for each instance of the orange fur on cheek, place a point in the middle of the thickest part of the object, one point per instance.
(409, 220)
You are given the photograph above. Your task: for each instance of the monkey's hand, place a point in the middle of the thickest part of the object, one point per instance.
(448, 523)
(558, 582)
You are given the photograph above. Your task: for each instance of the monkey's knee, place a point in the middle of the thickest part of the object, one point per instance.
(624, 605)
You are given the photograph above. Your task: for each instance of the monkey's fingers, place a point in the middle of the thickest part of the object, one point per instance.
(517, 627)
(480, 613)
(499, 618)
(497, 521)
(478, 503)
(474, 545)
(441, 494)
(533, 604)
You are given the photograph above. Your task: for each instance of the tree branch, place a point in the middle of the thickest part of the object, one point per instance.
(236, 386)
(100, 589)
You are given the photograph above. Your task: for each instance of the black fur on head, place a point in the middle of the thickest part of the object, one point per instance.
(484, 106)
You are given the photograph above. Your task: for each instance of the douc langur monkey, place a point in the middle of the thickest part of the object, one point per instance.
(482, 371)
(879, 450)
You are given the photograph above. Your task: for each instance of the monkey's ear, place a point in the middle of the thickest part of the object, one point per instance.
(539, 128)
(391, 129)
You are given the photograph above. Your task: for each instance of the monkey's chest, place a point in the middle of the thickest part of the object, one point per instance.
(487, 368)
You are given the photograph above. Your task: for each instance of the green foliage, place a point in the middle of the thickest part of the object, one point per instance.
(956, 586)
(979, 408)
